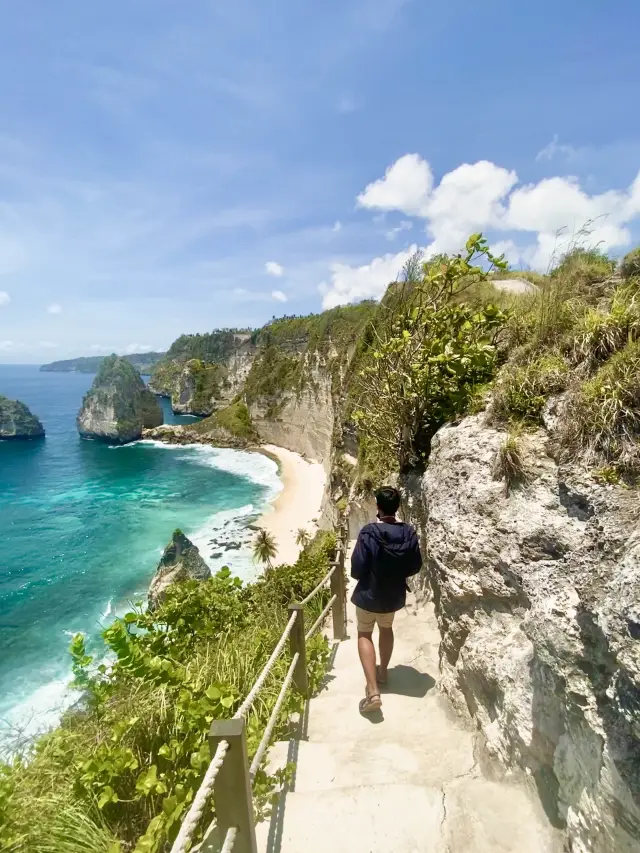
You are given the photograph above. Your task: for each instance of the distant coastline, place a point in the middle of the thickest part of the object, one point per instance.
(144, 362)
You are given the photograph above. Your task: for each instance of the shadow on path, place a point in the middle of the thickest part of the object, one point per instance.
(408, 681)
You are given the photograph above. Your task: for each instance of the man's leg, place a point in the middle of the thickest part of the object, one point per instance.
(386, 650)
(385, 643)
(366, 649)
(367, 653)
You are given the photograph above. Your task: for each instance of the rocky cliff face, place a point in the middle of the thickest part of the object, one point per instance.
(537, 593)
(17, 422)
(302, 420)
(180, 561)
(118, 406)
(199, 386)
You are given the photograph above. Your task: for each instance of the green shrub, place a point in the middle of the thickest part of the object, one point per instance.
(603, 416)
(522, 390)
(237, 420)
(582, 267)
(429, 351)
(509, 464)
(630, 264)
(600, 333)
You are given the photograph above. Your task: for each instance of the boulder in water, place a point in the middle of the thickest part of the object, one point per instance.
(181, 561)
(17, 422)
(119, 405)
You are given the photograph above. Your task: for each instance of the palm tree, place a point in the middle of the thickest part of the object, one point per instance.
(264, 548)
(302, 537)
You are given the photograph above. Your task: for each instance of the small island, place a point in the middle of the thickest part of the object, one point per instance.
(17, 422)
(119, 405)
(144, 362)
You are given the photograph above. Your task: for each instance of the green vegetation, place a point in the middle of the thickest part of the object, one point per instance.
(16, 421)
(428, 350)
(272, 374)
(521, 391)
(630, 264)
(302, 537)
(206, 380)
(122, 768)
(143, 362)
(337, 327)
(603, 415)
(237, 420)
(265, 548)
(509, 464)
(212, 347)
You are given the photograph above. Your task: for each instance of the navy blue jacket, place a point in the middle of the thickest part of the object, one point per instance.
(386, 554)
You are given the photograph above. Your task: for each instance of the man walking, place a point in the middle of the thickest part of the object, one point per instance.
(386, 554)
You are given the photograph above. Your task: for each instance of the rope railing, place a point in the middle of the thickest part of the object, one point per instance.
(266, 737)
(230, 781)
(257, 687)
(320, 618)
(322, 583)
(229, 840)
(192, 818)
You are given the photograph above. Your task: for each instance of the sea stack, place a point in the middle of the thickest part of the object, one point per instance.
(181, 561)
(17, 422)
(119, 405)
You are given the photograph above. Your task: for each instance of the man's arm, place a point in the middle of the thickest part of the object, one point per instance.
(360, 559)
(414, 563)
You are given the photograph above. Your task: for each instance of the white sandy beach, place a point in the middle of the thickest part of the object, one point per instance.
(297, 505)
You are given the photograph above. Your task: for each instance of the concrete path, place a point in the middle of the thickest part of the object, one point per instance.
(404, 781)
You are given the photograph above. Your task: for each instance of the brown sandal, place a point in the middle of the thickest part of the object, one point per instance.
(370, 704)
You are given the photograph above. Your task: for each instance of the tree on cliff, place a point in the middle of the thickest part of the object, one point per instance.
(264, 548)
(302, 537)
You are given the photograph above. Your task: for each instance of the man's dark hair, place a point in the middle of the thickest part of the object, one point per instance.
(388, 500)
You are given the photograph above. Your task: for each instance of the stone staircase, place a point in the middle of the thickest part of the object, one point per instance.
(404, 781)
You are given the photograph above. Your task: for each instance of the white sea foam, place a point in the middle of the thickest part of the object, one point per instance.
(107, 612)
(37, 713)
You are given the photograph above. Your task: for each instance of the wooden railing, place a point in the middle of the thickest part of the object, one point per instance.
(229, 778)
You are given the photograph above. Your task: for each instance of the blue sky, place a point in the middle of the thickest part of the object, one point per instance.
(175, 167)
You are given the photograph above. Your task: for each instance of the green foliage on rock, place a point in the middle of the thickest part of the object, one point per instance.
(237, 420)
(603, 413)
(118, 405)
(17, 422)
(521, 390)
(131, 756)
(211, 347)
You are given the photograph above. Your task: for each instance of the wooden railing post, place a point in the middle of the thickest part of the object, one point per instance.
(298, 644)
(232, 795)
(338, 589)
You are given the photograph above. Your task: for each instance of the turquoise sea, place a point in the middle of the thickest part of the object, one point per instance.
(82, 526)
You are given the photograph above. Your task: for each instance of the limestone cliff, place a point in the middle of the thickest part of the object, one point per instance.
(180, 561)
(17, 422)
(537, 593)
(118, 405)
(201, 385)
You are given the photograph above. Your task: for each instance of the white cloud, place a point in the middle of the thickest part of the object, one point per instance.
(483, 196)
(337, 226)
(406, 186)
(352, 284)
(132, 348)
(274, 268)
(279, 296)
(54, 308)
(5, 299)
(5, 346)
(404, 225)
(47, 344)
(555, 148)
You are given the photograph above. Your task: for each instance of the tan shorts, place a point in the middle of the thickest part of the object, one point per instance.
(366, 620)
